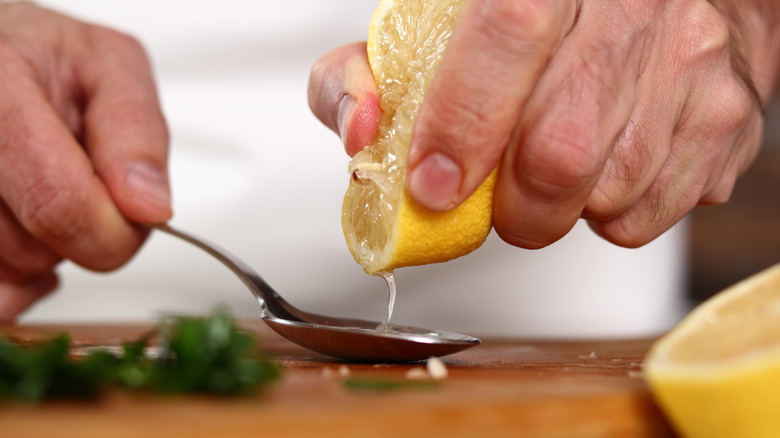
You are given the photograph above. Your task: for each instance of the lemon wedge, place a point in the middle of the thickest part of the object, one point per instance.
(717, 373)
(384, 228)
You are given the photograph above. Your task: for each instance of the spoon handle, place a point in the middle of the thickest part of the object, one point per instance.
(262, 291)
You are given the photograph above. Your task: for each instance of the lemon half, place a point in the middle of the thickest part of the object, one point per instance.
(717, 374)
(384, 228)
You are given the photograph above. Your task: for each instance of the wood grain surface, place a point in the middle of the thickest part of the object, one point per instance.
(502, 388)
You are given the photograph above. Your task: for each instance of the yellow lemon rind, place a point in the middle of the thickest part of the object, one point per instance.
(422, 236)
(729, 397)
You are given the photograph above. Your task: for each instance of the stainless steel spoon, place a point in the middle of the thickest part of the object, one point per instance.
(344, 338)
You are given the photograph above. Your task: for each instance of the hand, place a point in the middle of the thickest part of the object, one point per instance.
(83, 150)
(627, 114)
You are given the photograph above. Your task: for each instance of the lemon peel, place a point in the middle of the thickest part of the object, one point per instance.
(717, 373)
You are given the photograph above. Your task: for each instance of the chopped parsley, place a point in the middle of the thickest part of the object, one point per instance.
(207, 355)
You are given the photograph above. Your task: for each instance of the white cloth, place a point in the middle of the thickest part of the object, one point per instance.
(254, 171)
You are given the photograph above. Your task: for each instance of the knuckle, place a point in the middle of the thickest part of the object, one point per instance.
(328, 85)
(640, 11)
(508, 22)
(631, 164)
(736, 105)
(707, 34)
(49, 212)
(116, 47)
(636, 228)
(459, 125)
(619, 233)
(21, 10)
(604, 202)
(126, 112)
(723, 113)
(625, 172)
(662, 206)
(115, 40)
(320, 81)
(134, 114)
(559, 161)
(720, 192)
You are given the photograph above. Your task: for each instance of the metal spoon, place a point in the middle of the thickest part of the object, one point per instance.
(344, 338)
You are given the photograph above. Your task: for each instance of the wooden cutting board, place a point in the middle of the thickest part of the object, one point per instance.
(502, 388)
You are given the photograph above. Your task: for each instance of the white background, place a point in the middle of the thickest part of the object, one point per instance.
(255, 172)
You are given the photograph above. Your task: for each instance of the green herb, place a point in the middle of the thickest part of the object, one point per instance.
(202, 355)
(45, 371)
(387, 384)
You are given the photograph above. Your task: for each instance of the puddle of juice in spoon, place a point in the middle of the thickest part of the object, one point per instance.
(390, 280)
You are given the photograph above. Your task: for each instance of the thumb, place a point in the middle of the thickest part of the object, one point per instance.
(125, 132)
(494, 58)
(343, 96)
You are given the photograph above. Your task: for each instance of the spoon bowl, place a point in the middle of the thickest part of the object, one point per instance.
(345, 338)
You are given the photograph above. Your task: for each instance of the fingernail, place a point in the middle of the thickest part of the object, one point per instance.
(435, 182)
(346, 107)
(147, 181)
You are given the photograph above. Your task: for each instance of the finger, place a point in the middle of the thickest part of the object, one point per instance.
(671, 196)
(746, 146)
(343, 95)
(717, 134)
(644, 145)
(125, 133)
(20, 251)
(493, 60)
(576, 113)
(746, 151)
(635, 161)
(15, 298)
(51, 186)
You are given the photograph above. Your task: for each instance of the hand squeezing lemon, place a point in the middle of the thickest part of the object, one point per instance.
(384, 228)
(717, 374)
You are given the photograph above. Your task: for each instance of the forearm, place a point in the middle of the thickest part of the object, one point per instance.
(755, 33)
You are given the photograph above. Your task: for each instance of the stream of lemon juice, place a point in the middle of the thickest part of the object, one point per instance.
(390, 281)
